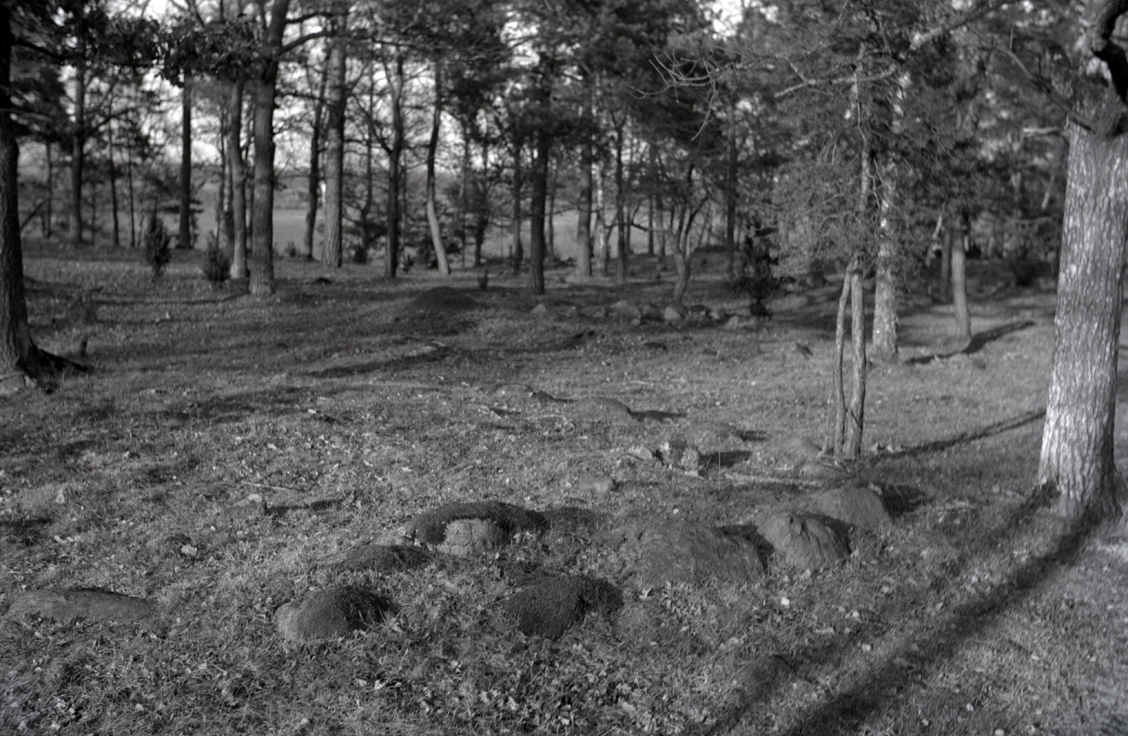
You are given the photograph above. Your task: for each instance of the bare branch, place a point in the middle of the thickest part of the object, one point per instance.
(984, 8)
(1103, 47)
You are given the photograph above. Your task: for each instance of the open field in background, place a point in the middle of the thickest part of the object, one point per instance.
(227, 454)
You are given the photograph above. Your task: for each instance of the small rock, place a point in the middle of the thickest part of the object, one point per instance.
(678, 454)
(598, 485)
(640, 452)
(540, 310)
(735, 322)
(626, 311)
(331, 613)
(674, 314)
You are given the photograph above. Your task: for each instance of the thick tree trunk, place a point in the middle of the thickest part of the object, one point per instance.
(538, 197)
(464, 193)
(78, 148)
(15, 336)
(238, 244)
(855, 417)
(184, 237)
(584, 202)
(432, 149)
(262, 275)
(837, 432)
(313, 182)
(1077, 466)
(332, 253)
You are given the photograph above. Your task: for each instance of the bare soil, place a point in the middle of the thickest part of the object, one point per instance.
(229, 457)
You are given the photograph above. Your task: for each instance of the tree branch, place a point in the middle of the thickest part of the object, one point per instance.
(927, 37)
(1103, 47)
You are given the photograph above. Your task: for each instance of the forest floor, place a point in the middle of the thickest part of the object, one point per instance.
(228, 455)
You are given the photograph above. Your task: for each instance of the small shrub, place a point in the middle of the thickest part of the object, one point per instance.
(155, 241)
(217, 264)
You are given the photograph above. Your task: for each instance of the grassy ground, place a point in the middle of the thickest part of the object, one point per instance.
(349, 408)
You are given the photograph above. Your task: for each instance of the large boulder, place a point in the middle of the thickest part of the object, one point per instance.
(803, 540)
(858, 507)
(687, 552)
(331, 613)
(551, 606)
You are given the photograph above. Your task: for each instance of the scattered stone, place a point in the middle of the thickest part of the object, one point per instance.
(856, 506)
(640, 452)
(674, 314)
(92, 604)
(540, 310)
(803, 350)
(331, 613)
(599, 485)
(550, 607)
(250, 507)
(736, 322)
(678, 454)
(469, 528)
(384, 558)
(625, 310)
(805, 541)
(686, 552)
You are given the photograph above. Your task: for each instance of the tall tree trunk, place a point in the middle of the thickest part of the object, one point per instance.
(620, 208)
(836, 435)
(78, 146)
(885, 288)
(113, 186)
(332, 254)
(15, 335)
(1077, 466)
(262, 276)
(432, 148)
(731, 172)
(852, 445)
(538, 197)
(49, 200)
(959, 284)
(238, 244)
(313, 183)
(132, 199)
(184, 238)
(584, 203)
(395, 88)
(518, 186)
(464, 192)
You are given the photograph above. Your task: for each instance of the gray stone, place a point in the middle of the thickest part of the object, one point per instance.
(551, 606)
(331, 613)
(858, 507)
(626, 310)
(469, 528)
(674, 313)
(804, 541)
(687, 552)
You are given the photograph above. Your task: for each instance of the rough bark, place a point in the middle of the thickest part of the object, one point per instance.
(885, 287)
(432, 149)
(332, 254)
(78, 147)
(621, 209)
(518, 186)
(184, 231)
(313, 181)
(262, 275)
(1077, 465)
(731, 174)
(238, 244)
(584, 202)
(855, 416)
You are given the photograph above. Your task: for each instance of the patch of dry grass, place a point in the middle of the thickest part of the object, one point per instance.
(348, 414)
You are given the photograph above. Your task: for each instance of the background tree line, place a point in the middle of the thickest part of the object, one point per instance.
(849, 136)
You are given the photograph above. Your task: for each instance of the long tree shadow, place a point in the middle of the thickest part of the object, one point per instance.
(962, 438)
(850, 707)
(978, 342)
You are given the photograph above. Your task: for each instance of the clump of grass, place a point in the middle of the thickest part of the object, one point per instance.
(155, 241)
